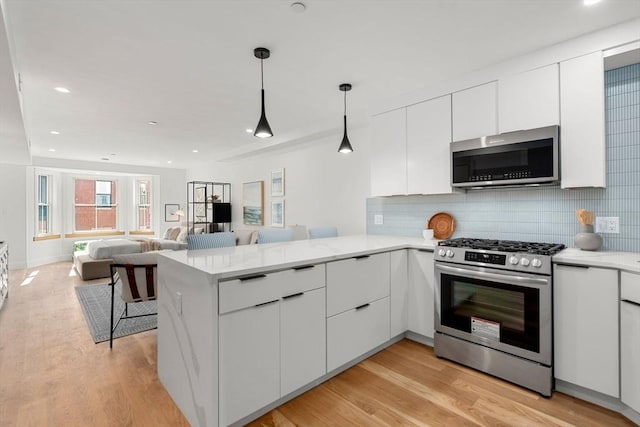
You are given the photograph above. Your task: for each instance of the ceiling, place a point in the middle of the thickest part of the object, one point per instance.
(189, 66)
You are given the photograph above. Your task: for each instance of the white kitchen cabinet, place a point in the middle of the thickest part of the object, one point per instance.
(585, 310)
(475, 112)
(421, 292)
(630, 340)
(302, 339)
(249, 360)
(398, 292)
(428, 140)
(388, 160)
(354, 332)
(356, 281)
(529, 100)
(582, 142)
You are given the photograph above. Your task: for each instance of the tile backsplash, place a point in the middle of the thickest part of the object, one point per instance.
(543, 214)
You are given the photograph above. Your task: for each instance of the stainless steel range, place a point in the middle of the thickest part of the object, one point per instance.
(493, 308)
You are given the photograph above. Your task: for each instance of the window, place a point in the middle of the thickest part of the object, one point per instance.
(143, 204)
(95, 205)
(43, 214)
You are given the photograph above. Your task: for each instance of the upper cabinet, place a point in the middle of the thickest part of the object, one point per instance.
(388, 165)
(529, 100)
(582, 141)
(475, 112)
(428, 139)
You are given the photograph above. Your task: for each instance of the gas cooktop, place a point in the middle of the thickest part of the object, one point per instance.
(533, 248)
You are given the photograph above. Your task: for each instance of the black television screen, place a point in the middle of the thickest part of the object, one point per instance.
(221, 212)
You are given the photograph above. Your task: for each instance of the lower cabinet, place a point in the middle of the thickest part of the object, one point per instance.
(585, 310)
(630, 340)
(421, 292)
(356, 331)
(249, 360)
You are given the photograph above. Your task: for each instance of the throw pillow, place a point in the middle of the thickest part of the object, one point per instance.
(174, 233)
(167, 233)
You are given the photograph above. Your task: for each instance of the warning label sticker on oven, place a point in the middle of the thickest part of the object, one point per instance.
(485, 328)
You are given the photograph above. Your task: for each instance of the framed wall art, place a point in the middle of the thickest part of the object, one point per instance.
(170, 213)
(277, 213)
(277, 183)
(253, 203)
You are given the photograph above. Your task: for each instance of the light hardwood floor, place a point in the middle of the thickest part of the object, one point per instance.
(52, 374)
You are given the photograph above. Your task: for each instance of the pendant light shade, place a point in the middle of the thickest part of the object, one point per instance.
(263, 130)
(345, 145)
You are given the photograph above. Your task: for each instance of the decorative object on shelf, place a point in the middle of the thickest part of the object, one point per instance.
(263, 130)
(277, 183)
(345, 145)
(442, 225)
(586, 239)
(171, 213)
(208, 207)
(253, 203)
(427, 233)
(277, 213)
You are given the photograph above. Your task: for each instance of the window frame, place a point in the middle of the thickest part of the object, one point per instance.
(137, 205)
(39, 204)
(97, 206)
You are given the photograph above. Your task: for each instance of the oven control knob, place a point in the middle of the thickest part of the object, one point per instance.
(513, 260)
(536, 263)
(442, 252)
(450, 253)
(524, 262)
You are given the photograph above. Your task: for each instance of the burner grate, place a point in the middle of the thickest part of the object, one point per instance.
(535, 248)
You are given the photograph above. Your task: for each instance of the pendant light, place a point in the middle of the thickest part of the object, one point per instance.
(345, 145)
(263, 130)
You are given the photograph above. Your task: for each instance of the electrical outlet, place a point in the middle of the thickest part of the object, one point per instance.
(378, 219)
(607, 224)
(178, 302)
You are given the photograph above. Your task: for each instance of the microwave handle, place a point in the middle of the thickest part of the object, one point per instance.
(492, 276)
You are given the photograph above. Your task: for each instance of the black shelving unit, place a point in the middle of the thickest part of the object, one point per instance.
(208, 206)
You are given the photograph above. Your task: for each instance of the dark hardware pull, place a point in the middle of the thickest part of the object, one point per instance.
(257, 276)
(362, 306)
(425, 250)
(304, 267)
(584, 267)
(637, 304)
(293, 295)
(266, 303)
(361, 256)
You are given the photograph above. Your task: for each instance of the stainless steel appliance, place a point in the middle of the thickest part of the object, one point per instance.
(493, 308)
(528, 157)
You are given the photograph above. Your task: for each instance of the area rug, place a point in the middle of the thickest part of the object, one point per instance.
(95, 301)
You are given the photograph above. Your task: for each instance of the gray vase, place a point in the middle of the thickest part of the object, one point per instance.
(587, 240)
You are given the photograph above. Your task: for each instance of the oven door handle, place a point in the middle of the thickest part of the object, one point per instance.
(496, 277)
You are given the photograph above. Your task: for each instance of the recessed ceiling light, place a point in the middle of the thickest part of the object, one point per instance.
(152, 123)
(195, 151)
(248, 130)
(590, 2)
(104, 158)
(54, 132)
(52, 150)
(62, 89)
(169, 161)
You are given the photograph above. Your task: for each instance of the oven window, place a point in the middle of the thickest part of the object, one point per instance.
(498, 311)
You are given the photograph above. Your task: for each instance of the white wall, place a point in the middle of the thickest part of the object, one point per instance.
(322, 186)
(13, 208)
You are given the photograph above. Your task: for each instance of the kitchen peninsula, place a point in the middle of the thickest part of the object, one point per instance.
(243, 329)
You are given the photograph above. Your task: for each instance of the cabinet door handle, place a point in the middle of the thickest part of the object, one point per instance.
(360, 307)
(293, 295)
(303, 267)
(424, 250)
(637, 304)
(257, 276)
(266, 303)
(361, 256)
(584, 267)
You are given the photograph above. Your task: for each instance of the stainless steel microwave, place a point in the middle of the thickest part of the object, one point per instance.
(526, 157)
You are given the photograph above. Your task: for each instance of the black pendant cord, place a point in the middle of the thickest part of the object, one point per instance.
(262, 76)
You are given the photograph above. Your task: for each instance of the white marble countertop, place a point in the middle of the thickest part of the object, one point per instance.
(627, 261)
(224, 263)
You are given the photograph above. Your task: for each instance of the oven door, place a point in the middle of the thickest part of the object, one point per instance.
(504, 310)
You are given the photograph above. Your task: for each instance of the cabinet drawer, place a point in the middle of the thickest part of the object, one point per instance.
(302, 279)
(356, 281)
(248, 291)
(354, 332)
(630, 287)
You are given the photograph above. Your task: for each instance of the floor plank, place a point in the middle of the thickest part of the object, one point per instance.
(52, 374)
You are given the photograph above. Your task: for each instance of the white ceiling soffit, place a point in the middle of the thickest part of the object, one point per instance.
(14, 147)
(189, 66)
